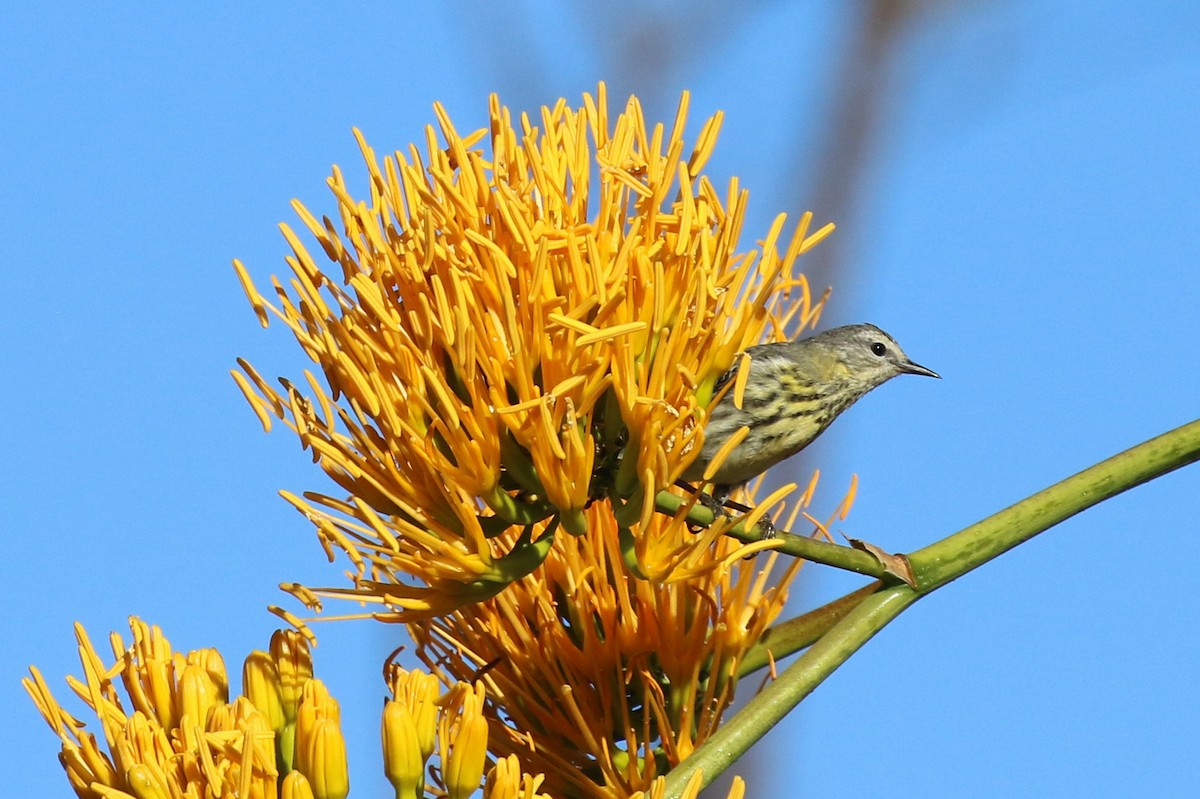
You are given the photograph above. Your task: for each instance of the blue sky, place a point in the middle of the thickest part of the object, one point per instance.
(1024, 223)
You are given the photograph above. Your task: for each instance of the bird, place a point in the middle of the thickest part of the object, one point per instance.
(794, 391)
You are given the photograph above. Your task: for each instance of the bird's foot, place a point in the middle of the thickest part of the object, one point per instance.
(720, 504)
(715, 502)
(764, 524)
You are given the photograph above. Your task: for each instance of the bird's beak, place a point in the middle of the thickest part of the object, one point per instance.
(911, 368)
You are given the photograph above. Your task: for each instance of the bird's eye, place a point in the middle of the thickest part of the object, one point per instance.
(879, 349)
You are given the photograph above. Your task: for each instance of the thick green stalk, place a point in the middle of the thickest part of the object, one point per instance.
(933, 567)
(795, 634)
(950, 558)
(797, 681)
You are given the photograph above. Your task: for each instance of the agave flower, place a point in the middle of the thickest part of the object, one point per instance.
(521, 337)
(519, 325)
(176, 733)
(170, 731)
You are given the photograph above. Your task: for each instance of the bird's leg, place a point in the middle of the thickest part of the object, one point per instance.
(765, 524)
(715, 501)
(720, 504)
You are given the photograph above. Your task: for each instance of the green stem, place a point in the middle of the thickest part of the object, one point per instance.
(933, 567)
(795, 634)
(950, 558)
(799, 546)
(797, 681)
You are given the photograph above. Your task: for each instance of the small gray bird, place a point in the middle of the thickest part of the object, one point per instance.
(794, 391)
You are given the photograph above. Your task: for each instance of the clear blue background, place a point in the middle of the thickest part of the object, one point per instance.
(1024, 221)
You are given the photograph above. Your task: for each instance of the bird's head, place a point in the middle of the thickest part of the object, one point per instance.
(867, 356)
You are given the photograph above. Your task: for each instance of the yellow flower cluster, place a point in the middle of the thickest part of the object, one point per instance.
(513, 334)
(177, 735)
(420, 720)
(521, 335)
(599, 681)
(183, 739)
